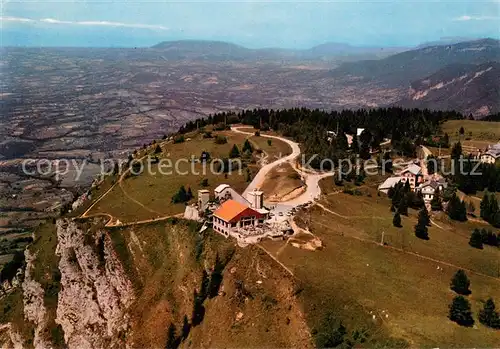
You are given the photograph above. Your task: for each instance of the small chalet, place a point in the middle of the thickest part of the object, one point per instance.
(428, 189)
(491, 155)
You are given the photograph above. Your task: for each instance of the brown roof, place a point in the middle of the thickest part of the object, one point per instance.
(229, 209)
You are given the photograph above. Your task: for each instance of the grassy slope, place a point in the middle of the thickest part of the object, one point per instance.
(161, 260)
(478, 134)
(354, 276)
(156, 191)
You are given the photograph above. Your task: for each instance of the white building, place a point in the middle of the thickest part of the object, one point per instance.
(412, 174)
(491, 155)
(256, 199)
(224, 192)
(232, 216)
(428, 189)
(389, 183)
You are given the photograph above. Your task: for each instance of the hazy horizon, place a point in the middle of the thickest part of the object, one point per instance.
(288, 24)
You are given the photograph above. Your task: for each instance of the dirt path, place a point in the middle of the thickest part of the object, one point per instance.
(276, 260)
(112, 221)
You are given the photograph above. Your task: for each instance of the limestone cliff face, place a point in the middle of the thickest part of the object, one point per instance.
(10, 338)
(95, 291)
(34, 308)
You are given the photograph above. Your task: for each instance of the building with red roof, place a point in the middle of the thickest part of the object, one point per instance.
(233, 215)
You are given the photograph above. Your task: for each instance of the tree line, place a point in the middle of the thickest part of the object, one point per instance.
(309, 127)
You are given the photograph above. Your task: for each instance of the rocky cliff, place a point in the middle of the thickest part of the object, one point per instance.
(95, 292)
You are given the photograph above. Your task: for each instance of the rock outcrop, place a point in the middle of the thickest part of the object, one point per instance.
(34, 308)
(10, 338)
(95, 291)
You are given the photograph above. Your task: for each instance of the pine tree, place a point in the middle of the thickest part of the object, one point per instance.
(436, 202)
(456, 151)
(247, 146)
(423, 215)
(342, 143)
(403, 206)
(171, 338)
(396, 221)
(476, 239)
(421, 230)
(180, 196)
(493, 207)
(460, 283)
(484, 206)
(234, 153)
(189, 194)
(460, 311)
(456, 209)
(488, 316)
(157, 149)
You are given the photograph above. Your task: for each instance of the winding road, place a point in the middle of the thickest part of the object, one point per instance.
(311, 179)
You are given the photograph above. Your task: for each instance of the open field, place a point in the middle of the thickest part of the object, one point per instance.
(478, 134)
(149, 194)
(356, 277)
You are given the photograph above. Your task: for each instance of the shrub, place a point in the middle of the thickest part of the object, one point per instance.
(220, 139)
(460, 283)
(476, 239)
(179, 139)
(488, 316)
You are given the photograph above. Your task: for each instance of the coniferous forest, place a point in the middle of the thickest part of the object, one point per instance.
(405, 127)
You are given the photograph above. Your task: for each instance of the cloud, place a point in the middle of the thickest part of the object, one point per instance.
(16, 19)
(85, 23)
(54, 21)
(476, 18)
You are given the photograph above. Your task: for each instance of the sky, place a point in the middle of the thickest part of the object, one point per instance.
(254, 24)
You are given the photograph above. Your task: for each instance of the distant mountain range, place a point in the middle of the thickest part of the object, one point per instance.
(214, 50)
(472, 89)
(445, 74)
(403, 68)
